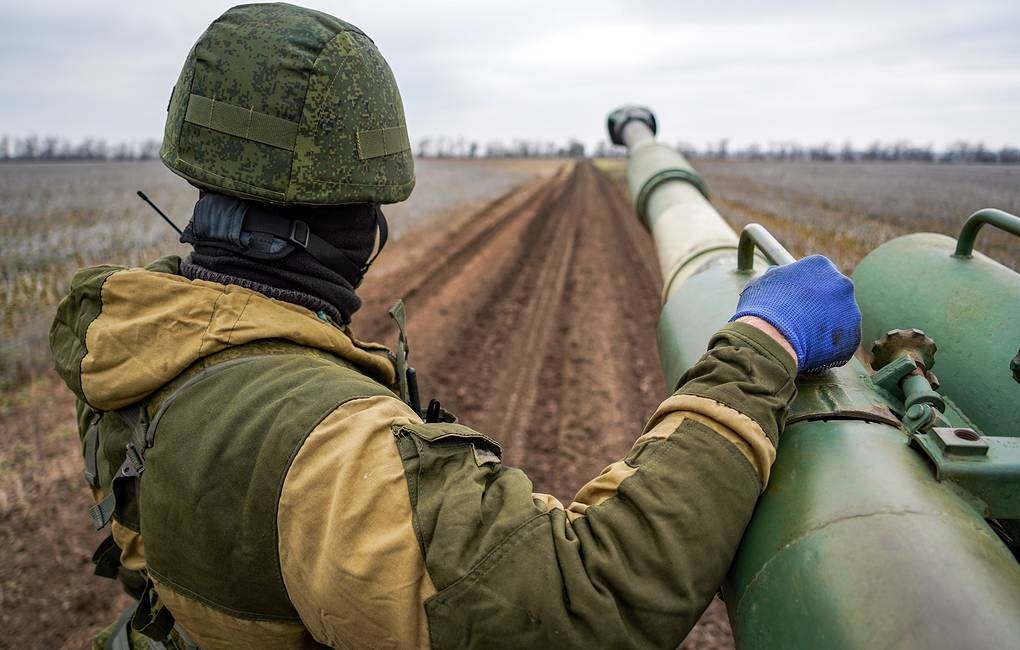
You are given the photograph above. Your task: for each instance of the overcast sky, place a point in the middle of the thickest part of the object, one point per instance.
(928, 71)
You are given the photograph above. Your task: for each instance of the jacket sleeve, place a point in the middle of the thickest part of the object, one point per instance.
(632, 562)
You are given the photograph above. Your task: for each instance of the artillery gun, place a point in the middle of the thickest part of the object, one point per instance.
(892, 515)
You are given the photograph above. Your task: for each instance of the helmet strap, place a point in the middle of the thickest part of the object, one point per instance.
(266, 234)
(384, 234)
(297, 233)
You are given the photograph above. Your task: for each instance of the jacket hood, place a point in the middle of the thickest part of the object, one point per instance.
(121, 334)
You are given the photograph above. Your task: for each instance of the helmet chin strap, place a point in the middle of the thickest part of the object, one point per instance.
(383, 229)
(264, 234)
(297, 234)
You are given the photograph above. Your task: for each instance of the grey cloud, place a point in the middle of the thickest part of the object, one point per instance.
(929, 71)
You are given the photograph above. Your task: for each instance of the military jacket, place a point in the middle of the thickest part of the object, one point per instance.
(290, 499)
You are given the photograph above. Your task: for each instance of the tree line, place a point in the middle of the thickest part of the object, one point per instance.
(33, 147)
(898, 151)
(443, 147)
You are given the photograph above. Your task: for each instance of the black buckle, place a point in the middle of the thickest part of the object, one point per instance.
(134, 459)
(301, 241)
(151, 617)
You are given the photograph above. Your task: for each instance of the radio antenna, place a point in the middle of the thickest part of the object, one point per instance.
(145, 198)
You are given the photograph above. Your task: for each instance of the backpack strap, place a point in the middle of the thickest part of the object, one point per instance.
(407, 377)
(90, 444)
(136, 417)
(151, 617)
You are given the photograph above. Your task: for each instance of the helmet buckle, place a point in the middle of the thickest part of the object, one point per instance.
(299, 232)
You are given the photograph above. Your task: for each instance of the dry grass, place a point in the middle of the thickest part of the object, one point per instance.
(56, 218)
(845, 210)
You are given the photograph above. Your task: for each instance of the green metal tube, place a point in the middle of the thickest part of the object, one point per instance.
(855, 543)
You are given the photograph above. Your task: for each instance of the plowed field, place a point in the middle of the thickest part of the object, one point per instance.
(532, 318)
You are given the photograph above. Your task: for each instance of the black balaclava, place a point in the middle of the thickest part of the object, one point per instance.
(232, 246)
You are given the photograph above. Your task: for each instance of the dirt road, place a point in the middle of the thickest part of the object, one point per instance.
(537, 325)
(533, 319)
(535, 322)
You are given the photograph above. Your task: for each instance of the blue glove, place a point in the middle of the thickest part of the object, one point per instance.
(811, 304)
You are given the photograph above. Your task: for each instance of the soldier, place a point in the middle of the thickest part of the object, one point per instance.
(267, 487)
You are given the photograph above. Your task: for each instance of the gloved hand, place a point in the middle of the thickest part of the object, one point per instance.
(812, 305)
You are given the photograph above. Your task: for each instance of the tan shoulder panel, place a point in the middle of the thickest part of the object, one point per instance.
(351, 561)
(741, 431)
(154, 325)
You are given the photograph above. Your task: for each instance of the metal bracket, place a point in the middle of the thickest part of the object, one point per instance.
(986, 466)
(961, 442)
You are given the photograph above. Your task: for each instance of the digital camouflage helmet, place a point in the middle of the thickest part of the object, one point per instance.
(291, 106)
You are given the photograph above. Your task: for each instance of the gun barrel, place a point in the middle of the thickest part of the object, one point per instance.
(857, 542)
(671, 199)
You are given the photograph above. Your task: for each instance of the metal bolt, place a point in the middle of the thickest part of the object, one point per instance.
(904, 342)
(915, 412)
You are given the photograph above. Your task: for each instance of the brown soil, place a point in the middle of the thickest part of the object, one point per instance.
(48, 595)
(532, 319)
(540, 328)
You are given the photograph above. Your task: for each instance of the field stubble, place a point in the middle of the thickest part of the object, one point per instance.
(845, 210)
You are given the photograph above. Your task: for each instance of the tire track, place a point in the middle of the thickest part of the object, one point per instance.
(538, 327)
(423, 272)
(604, 379)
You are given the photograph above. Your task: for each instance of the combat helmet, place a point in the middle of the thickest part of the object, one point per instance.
(286, 105)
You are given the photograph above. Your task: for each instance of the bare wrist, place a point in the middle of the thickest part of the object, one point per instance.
(772, 332)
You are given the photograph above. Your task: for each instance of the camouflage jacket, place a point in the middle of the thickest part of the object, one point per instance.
(290, 499)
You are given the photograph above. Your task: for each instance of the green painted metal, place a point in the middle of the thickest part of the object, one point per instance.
(661, 176)
(854, 545)
(988, 468)
(714, 285)
(683, 333)
(670, 199)
(844, 393)
(856, 541)
(968, 234)
(756, 236)
(970, 306)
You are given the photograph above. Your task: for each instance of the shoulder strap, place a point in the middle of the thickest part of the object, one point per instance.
(407, 377)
